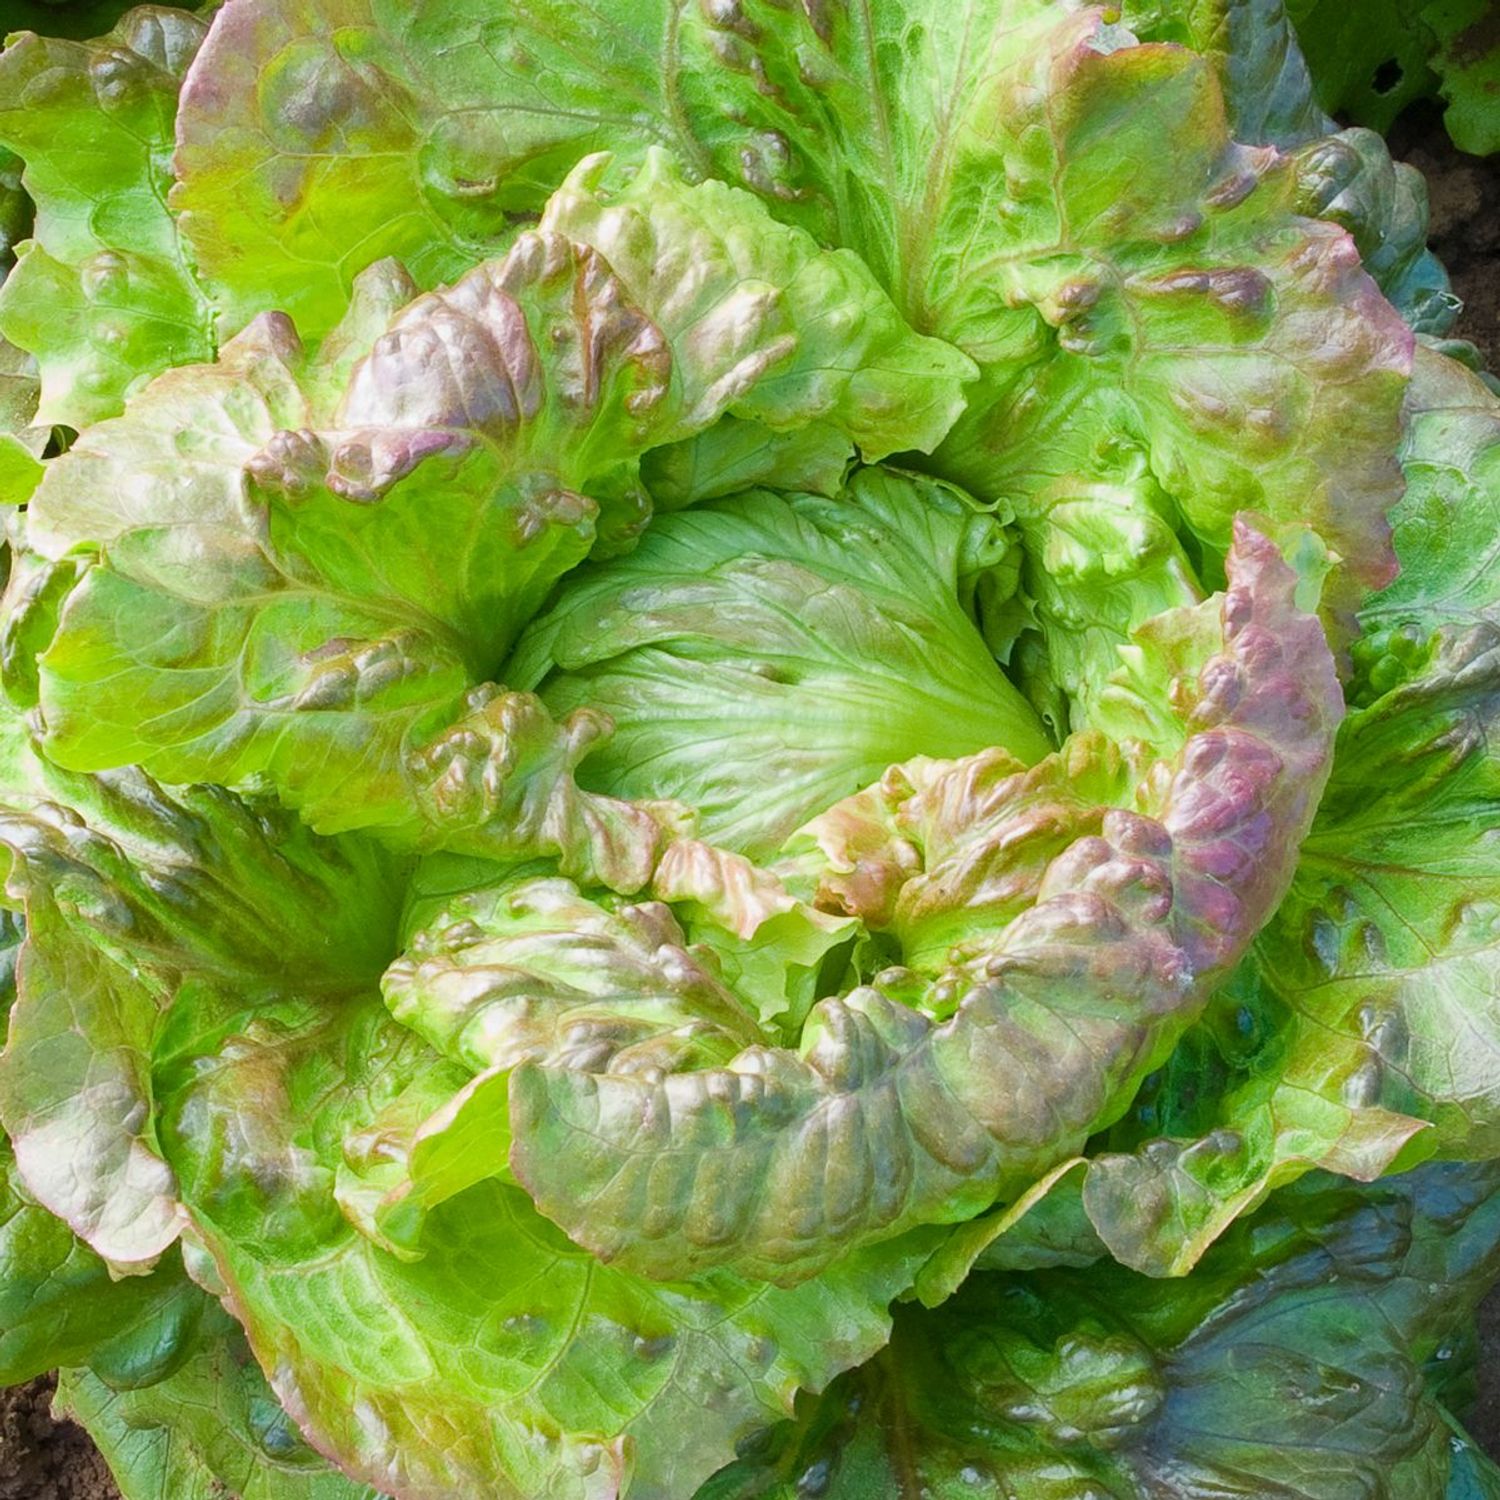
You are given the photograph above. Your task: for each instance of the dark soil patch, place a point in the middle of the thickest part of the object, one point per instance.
(1465, 195)
(1484, 1420)
(42, 1458)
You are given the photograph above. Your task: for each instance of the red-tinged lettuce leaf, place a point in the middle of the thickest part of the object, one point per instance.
(714, 956)
(207, 1428)
(1141, 295)
(1363, 1029)
(309, 595)
(884, 1118)
(763, 656)
(1386, 948)
(316, 137)
(134, 893)
(1343, 175)
(104, 293)
(835, 349)
(1300, 1361)
(500, 1359)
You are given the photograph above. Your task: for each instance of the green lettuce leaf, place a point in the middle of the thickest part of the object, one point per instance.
(132, 893)
(1141, 299)
(58, 1303)
(1371, 63)
(502, 1360)
(835, 350)
(209, 1429)
(762, 657)
(104, 293)
(1386, 947)
(883, 1118)
(325, 588)
(733, 455)
(317, 137)
(1333, 1045)
(1268, 90)
(1467, 63)
(1291, 1364)
(1367, 64)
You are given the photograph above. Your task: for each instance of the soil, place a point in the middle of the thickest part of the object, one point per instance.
(1464, 192)
(45, 1459)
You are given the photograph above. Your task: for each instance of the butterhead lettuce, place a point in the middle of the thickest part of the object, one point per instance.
(745, 751)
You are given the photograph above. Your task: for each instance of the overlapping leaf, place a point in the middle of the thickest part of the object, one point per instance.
(323, 588)
(763, 657)
(502, 1360)
(104, 293)
(132, 892)
(884, 1118)
(1297, 1362)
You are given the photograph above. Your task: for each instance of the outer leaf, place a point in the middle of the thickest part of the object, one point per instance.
(208, 1430)
(1267, 87)
(58, 1303)
(1347, 176)
(883, 1119)
(1349, 56)
(315, 138)
(504, 1361)
(1468, 64)
(763, 657)
(132, 893)
(1371, 66)
(319, 601)
(957, 149)
(1386, 948)
(1289, 1365)
(962, 151)
(103, 295)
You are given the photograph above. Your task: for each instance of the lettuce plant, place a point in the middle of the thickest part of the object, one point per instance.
(746, 750)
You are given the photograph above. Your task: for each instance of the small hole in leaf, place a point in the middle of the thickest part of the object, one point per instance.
(1387, 77)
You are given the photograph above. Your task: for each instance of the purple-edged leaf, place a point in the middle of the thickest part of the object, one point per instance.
(883, 1118)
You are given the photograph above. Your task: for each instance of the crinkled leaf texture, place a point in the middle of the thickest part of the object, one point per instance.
(884, 1118)
(133, 893)
(104, 292)
(1303, 1360)
(230, 1040)
(502, 1360)
(318, 596)
(1144, 301)
(1360, 1032)
(566, 887)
